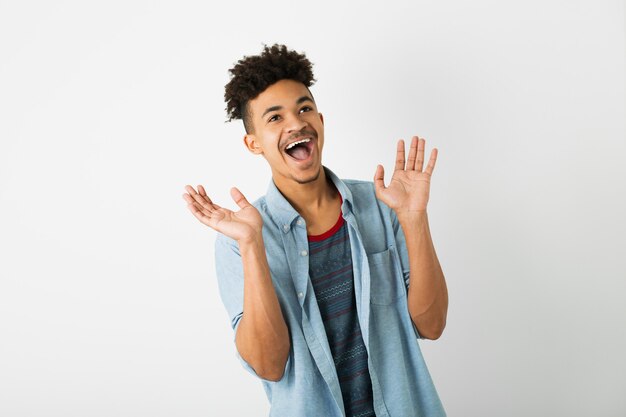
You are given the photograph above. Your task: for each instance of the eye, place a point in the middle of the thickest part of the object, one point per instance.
(306, 108)
(273, 118)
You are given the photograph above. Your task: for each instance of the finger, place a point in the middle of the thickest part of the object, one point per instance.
(194, 206)
(200, 214)
(431, 162)
(190, 191)
(410, 163)
(202, 191)
(188, 198)
(419, 164)
(203, 200)
(379, 178)
(400, 155)
(239, 198)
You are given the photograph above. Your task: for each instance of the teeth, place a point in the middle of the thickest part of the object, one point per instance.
(291, 145)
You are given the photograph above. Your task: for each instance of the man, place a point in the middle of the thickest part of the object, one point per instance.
(328, 282)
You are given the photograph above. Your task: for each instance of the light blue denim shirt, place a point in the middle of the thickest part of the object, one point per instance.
(309, 387)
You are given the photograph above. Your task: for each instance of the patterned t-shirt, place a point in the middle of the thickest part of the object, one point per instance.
(330, 270)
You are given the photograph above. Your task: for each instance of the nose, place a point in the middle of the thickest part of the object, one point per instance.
(295, 123)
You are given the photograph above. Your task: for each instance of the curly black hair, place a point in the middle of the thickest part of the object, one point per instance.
(253, 74)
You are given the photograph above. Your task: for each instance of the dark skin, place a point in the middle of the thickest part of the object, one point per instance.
(282, 114)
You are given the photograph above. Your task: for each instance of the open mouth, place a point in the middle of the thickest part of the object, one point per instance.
(301, 149)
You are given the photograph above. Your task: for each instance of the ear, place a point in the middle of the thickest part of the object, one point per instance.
(253, 144)
(321, 117)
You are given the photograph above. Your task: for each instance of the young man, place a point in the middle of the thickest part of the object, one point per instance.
(328, 282)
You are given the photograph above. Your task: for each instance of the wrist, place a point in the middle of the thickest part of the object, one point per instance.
(255, 239)
(410, 215)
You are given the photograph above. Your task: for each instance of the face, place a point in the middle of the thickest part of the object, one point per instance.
(288, 131)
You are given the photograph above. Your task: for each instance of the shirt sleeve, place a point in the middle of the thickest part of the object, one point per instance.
(229, 271)
(401, 247)
(404, 255)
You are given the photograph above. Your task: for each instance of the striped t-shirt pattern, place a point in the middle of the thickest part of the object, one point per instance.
(330, 270)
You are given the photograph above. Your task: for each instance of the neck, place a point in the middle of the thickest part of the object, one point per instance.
(311, 198)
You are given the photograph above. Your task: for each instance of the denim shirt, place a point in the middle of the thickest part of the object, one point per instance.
(309, 387)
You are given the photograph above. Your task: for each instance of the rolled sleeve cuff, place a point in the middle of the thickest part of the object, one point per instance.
(406, 282)
(417, 334)
(247, 366)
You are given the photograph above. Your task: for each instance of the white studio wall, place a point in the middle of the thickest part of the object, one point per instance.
(108, 297)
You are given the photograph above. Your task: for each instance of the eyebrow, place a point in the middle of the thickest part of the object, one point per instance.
(299, 101)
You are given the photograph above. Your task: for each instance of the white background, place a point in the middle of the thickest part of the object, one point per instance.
(108, 297)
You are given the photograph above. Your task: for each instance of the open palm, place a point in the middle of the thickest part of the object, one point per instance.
(240, 225)
(409, 188)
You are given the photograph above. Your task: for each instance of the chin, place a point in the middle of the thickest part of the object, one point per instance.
(310, 178)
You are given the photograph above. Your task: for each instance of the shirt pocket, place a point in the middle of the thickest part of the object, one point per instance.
(386, 287)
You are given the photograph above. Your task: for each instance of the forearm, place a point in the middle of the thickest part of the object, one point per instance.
(428, 294)
(262, 337)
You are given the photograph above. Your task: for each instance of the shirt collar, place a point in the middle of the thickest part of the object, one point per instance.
(282, 211)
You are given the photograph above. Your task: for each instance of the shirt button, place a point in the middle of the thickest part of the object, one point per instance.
(300, 295)
(299, 222)
(286, 227)
(303, 253)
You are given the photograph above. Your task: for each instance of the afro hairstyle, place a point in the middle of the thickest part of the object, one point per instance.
(253, 74)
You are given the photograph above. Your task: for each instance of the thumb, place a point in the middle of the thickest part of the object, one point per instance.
(238, 197)
(379, 179)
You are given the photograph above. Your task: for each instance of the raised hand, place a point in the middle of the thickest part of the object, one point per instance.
(242, 225)
(409, 188)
